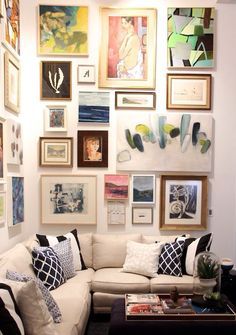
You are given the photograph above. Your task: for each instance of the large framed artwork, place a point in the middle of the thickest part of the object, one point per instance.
(143, 189)
(55, 118)
(191, 37)
(94, 106)
(63, 30)
(92, 149)
(135, 100)
(68, 199)
(15, 191)
(55, 80)
(56, 151)
(116, 186)
(188, 91)
(11, 82)
(164, 142)
(183, 203)
(127, 48)
(11, 27)
(14, 143)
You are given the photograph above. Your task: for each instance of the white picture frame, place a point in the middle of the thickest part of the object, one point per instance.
(86, 74)
(116, 212)
(142, 215)
(55, 118)
(143, 188)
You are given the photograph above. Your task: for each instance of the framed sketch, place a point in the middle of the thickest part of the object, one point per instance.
(11, 25)
(11, 83)
(2, 159)
(92, 149)
(55, 80)
(55, 118)
(127, 48)
(15, 190)
(135, 100)
(142, 215)
(143, 189)
(86, 74)
(116, 186)
(68, 199)
(190, 42)
(183, 204)
(188, 91)
(14, 143)
(116, 212)
(94, 107)
(63, 30)
(2, 207)
(56, 151)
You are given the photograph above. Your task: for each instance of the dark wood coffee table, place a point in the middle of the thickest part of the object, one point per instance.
(120, 326)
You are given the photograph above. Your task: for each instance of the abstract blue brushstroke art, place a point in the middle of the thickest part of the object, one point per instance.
(94, 107)
(17, 200)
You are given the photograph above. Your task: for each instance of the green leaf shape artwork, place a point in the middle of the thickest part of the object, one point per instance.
(146, 132)
(206, 145)
(138, 142)
(129, 138)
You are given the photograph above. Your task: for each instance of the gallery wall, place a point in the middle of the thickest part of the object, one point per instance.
(222, 186)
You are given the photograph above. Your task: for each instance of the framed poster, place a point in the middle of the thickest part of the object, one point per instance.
(11, 28)
(183, 203)
(68, 199)
(142, 215)
(11, 83)
(55, 80)
(92, 149)
(14, 143)
(15, 190)
(127, 48)
(56, 151)
(86, 74)
(135, 100)
(94, 107)
(55, 119)
(143, 189)
(63, 30)
(188, 91)
(116, 212)
(116, 186)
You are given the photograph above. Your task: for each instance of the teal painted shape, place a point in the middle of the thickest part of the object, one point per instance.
(193, 41)
(204, 63)
(184, 127)
(205, 146)
(162, 135)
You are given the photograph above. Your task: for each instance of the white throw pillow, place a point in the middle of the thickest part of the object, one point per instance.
(142, 258)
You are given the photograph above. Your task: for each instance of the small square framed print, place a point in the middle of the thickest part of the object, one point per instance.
(116, 186)
(142, 215)
(56, 151)
(143, 189)
(86, 74)
(55, 118)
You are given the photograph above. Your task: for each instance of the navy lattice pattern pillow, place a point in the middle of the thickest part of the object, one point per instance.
(169, 260)
(48, 268)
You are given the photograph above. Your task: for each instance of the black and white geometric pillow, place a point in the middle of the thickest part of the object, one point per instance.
(48, 268)
(169, 260)
(10, 321)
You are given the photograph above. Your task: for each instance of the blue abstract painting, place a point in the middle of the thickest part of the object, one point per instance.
(94, 107)
(17, 200)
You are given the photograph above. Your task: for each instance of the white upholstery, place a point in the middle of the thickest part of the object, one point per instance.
(166, 283)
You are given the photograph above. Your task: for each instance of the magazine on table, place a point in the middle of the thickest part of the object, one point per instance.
(149, 298)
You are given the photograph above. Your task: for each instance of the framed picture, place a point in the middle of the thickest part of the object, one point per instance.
(55, 118)
(142, 215)
(56, 151)
(183, 204)
(127, 48)
(15, 190)
(92, 148)
(135, 100)
(86, 74)
(55, 80)
(116, 212)
(68, 199)
(116, 186)
(143, 189)
(1, 152)
(188, 91)
(11, 26)
(14, 143)
(63, 30)
(94, 107)
(191, 37)
(1, 16)
(11, 83)
(2, 207)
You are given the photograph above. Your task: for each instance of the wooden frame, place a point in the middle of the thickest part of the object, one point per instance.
(132, 64)
(69, 199)
(15, 201)
(55, 118)
(116, 212)
(55, 80)
(92, 149)
(56, 151)
(86, 74)
(116, 186)
(183, 203)
(142, 215)
(135, 100)
(188, 91)
(143, 189)
(11, 83)
(2, 207)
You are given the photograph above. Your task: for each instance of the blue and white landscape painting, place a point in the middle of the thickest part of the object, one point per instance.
(94, 107)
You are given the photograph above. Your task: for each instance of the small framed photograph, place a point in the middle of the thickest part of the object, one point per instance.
(56, 151)
(143, 189)
(2, 207)
(94, 107)
(55, 80)
(142, 215)
(135, 100)
(188, 91)
(183, 203)
(15, 191)
(116, 212)
(92, 148)
(55, 119)
(86, 74)
(11, 83)
(116, 186)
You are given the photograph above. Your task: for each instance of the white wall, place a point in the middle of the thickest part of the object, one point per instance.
(222, 179)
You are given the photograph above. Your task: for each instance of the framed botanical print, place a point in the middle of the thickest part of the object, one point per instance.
(94, 106)
(63, 30)
(127, 48)
(56, 151)
(15, 191)
(55, 119)
(11, 26)
(92, 148)
(143, 189)
(12, 82)
(116, 186)
(86, 74)
(183, 203)
(55, 80)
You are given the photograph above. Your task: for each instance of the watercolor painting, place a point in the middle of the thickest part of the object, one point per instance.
(143, 189)
(94, 107)
(116, 186)
(16, 200)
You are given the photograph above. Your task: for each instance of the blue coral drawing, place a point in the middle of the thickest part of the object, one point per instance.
(17, 200)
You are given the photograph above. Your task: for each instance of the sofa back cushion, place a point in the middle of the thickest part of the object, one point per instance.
(85, 241)
(160, 238)
(110, 250)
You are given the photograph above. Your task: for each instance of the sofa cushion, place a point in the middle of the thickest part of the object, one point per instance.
(165, 283)
(110, 250)
(86, 245)
(169, 260)
(160, 238)
(114, 280)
